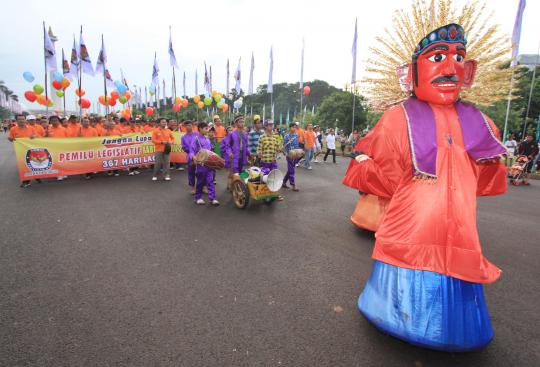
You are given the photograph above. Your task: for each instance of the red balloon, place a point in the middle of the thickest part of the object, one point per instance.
(80, 92)
(149, 111)
(176, 108)
(30, 96)
(114, 94)
(307, 90)
(84, 103)
(56, 85)
(112, 101)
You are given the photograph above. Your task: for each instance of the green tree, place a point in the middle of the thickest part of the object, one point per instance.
(336, 110)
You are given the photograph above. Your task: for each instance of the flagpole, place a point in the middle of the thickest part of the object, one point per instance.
(531, 90)
(45, 64)
(353, 105)
(104, 75)
(80, 81)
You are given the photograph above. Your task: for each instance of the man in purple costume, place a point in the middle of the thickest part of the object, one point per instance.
(204, 175)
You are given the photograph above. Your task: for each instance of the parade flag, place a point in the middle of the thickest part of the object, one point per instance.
(65, 66)
(74, 69)
(516, 34)
(155, 72)
(124, 80)
(86, 63)
(355, 39)
(228, 77)
(102, 58)
(109, 79)
(184, 85)
(207, 88)
(238, 77)
(196, 83)
(270, 84)
(251, 68)
(50, 53)
(302, 66)
(172, 57)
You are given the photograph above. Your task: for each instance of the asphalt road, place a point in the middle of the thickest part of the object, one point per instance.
(129, 272)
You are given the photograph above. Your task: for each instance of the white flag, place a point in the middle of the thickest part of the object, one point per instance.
(302, 66)
(50, 53)
(86, 63)
(252, 67)
(102, 58)
(353, 77)
(196, 83)
(270, 84)
(74, 69)
(171, 51)
(228, 77)
(207, 88)
(516, 34)
(155, 72)
(184, 85)
(238, 77)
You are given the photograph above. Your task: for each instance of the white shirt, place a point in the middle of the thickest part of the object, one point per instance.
(511, 146)
(330, 141)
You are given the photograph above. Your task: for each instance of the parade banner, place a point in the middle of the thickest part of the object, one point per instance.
(52, 157)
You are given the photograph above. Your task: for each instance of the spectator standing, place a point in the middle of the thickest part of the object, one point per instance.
(309, 145)
(162, 138)
(528, 148)
(330, 145)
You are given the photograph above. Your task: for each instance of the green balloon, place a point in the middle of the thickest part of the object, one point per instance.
(219, 104)
(217, 98)
(208, 101)
(60, 93)
(122, 99)
(38, 88)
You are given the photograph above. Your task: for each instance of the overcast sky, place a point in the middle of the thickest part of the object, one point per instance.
(212, 31)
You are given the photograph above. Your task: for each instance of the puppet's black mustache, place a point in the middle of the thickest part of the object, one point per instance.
(446, 78)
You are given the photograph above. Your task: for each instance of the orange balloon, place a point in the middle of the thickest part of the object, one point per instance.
(114, 94)
(127, 95)
(178, 100)
(41, 99)
(80, 92)
(214, 93)
(200, 105)
(185, 103)
(225, 107)
(65, 83)
(101, 100)
(196, 99)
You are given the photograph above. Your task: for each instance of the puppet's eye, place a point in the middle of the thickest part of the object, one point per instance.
(458, 57)
(437, 58)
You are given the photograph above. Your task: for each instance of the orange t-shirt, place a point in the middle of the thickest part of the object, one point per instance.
(160, 135)
(38, 130)
(300, 132)
(195, 129)
(114, 131)
(125, 129)
(57, 132)
(73, 130)
(100, 130)
(309, 139)
(136, 129)
(88, 132)
(220, 133)
(21, 132)
(148, 129)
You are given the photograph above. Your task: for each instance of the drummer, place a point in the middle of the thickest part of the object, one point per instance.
(205, 175)
(290, 142)
(268, 147)
(187, 139)
(235, 149)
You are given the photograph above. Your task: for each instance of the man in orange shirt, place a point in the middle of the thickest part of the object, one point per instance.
(220, 131)
(86, 130)
(39, 131)
(21, 130)
(124, 127)
(56, 130)
(162, 139)
(73, 128)
(309, 145)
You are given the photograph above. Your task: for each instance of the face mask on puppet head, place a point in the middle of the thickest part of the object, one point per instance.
(439, 70)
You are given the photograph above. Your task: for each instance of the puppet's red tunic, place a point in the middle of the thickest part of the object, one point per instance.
(428, 224)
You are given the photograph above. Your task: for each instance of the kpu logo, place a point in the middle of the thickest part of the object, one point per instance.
(38, 159)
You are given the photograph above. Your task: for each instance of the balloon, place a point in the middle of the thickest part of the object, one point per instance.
(80, 92)
(217, 98)
(121, 89)
(149, 111)
(112, 101)
(208, 101)
(176, 108)
(200, 105)
(41, 99)
(152, 93)
(219, 104)
(222, 100)
(84, 103)
(196, 99)
(30, 96)
(178, 100)
(56, 85)
(60, 93)
(214, 93)
(101, 100)
(65, 83)
(238, 103)
(28, 76)
(185, 103)
(114, 94)
(122, 99)
(307, 90)
(49, 102)
(152, 88)
(117, 83)
(127, 94)
(225, 107)
(57, 76)
(38, 88)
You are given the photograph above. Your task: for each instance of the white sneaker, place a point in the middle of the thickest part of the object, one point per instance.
(200, 202)
(167, 178)
(136, 172)
(310, 168)
(60, 178)
(154, 178)
(116, 174)
(180, 168)
(131, 173)
(215, 202)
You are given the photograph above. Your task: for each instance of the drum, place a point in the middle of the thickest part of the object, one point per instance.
(209, 159)
(295, 154)
(274, 180)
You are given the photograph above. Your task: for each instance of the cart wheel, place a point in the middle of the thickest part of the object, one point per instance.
(240, 194)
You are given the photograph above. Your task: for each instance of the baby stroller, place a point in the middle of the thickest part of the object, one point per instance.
(518, 170)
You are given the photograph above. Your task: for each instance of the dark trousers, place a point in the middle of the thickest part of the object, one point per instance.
(333, 154)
